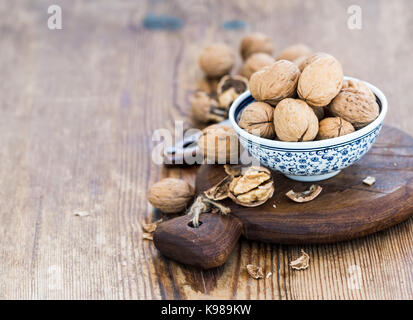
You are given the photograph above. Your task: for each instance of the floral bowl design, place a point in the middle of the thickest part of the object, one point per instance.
(311, 160)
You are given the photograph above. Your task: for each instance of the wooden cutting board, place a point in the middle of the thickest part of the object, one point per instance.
(346, 208)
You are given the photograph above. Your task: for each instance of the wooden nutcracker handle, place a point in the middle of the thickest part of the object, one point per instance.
(206, 246)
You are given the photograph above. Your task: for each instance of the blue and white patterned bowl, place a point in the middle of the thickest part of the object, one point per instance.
(312, 160)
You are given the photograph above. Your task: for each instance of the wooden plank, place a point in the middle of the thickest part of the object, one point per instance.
(79, 106)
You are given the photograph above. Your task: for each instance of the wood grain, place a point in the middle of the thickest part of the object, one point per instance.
(79, 107)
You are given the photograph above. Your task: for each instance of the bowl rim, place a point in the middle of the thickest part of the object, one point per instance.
(310, 144)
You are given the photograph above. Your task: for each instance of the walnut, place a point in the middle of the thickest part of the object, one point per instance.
(220, 191)
(252, 188)
(294, 52)
(219, 144)
(305, 196)
(256, 62)
(319, 112)
(217, 60)
(274, 83)
(254, 43)
(333, 127)
(355, 106)
(303, 62)
(320, 81)
(302, 262)
(255, 272)
(229, 88)
(257, 119)
(294, 120)
(358, 85)
(205, 109)
(151, 227)
(171, 195)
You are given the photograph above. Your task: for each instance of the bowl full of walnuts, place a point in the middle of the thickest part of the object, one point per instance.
(307, 120)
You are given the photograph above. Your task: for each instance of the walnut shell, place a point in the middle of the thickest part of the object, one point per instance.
(294, 52)
(294, 120)
(205, 109)
(257, 119)
(304, 62)
(256, 62)
(358, 85)
(171, 195)
(355, 106)
(217, 60)
(229, 88)
(334, 127)
(254, 43)
(253, 188)
(274, 83)
(219, 144)
(320, 81)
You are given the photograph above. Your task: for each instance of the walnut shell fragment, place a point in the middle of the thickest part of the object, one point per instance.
(151, 227)
(275, 82)
(219, 144)
(220, 191)
(229, 88)
(369, 180)
(254, 43)
(257, 119)
(205, 109)
(253, 188)
(305, 196)
(320, 81)
(302, 262)
(256, 62)
(255, 272)
(295, 121)
(333, 127)
(216, 60)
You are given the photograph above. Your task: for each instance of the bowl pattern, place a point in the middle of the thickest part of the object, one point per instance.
(317, 161)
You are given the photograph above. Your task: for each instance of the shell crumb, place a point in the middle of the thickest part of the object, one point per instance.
(369, 180)
(81, 213)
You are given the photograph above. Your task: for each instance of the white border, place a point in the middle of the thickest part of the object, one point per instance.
(311, 144)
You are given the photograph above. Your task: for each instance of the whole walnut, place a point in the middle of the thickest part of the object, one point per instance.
(205, 109)
(334, 127)
(219, 144)
(254, 43)
(275, 82)
(229, 88)
(294, 52)
(320, 81)
(171, 195)
(355, 106)
(294, 120)
(217, 60)
(256, 62)
(257, 119)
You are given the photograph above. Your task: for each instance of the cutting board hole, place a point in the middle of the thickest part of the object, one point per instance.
(190, 224)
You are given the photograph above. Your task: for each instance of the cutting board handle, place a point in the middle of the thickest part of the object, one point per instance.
(206, 246)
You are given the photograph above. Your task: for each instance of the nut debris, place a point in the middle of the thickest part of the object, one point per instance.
(81, 213)
(255, 272)
(269, 274)
(369, 181)
(301, 263)
(305, 196)
(151, 227)
(147, 236)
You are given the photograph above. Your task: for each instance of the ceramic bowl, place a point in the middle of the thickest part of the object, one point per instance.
(311, 160)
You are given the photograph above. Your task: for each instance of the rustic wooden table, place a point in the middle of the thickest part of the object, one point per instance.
(79, 106)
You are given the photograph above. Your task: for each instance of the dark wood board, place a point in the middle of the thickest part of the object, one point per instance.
(346, 208)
